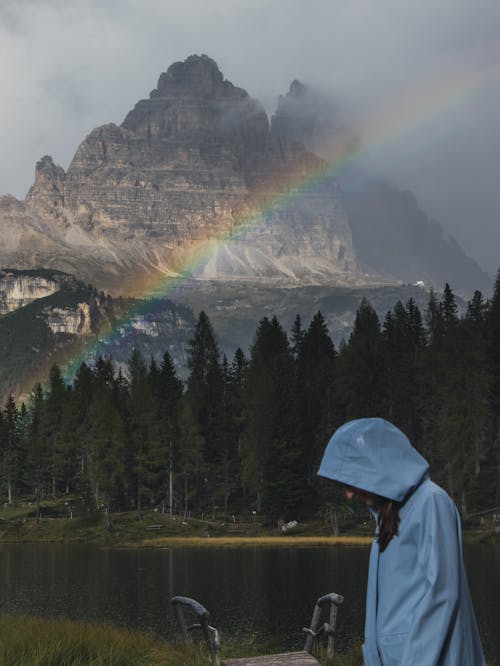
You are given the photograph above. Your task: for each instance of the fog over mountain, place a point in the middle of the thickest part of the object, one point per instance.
(66, 68)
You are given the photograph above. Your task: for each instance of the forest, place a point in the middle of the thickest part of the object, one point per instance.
(244, 436)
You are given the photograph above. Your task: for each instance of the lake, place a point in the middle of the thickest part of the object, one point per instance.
(267, 593)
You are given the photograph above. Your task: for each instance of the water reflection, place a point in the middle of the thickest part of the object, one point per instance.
(267, 593)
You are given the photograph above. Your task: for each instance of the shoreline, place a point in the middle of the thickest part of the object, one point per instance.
(64, 520)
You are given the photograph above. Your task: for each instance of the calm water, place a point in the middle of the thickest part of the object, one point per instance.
(261, 592)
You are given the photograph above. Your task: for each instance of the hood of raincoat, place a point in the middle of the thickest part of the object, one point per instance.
(373, 455)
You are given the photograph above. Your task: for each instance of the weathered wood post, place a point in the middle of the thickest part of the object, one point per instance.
(333, 601)
(210, 634)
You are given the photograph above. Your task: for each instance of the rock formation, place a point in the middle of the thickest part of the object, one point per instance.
(191, 164)
(19, 288)
(194, 177)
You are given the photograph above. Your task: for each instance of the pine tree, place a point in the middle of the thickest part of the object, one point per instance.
(144, 432)
(168, 394)
(11, 471)
(316, 395)
(53, 421)
(403, 344)
(190, 454)
(84, 387)
(361, 371)
(205, 391)
(297, 336)
(431, 373)
(271, 449)
(106, 451)
(493, 347)
(235, 391)
(38, 455)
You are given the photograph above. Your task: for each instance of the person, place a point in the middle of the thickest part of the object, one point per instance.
(418, 607)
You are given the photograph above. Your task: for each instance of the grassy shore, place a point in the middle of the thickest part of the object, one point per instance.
(33, 641)
(263, 540)
(65, 520)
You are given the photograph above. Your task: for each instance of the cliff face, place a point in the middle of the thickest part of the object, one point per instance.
(18, 288)
(186, 166)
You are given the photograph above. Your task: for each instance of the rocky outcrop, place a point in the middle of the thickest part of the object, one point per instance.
(19, 288)
(72, 321)
(76, 321)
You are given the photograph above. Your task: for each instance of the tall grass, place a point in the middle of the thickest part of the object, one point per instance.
(32, 641)
(284, 541)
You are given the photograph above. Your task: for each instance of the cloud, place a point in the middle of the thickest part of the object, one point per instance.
(67, 66)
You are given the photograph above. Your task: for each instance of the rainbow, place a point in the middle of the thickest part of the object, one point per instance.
(384, 126)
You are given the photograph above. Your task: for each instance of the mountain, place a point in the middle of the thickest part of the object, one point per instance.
(196, 178)
(392, 237)
(190, 165)
(414, 247)
(197, 185)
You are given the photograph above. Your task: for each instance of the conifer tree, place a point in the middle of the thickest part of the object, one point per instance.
(83, 391)
(271, 448)
(361, 380)
(37, 472)
(190, 455)
(106, 447)
(297, 336)
(403, 343)
(227, 450)
(493, 347)
(144, 432)
(431, 375)
(169, 391)
(11, 471)
(53, 421)
(235, 390)
(316, 394)
(205, 389)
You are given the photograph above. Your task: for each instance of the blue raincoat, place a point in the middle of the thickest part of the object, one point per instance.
(418, 606)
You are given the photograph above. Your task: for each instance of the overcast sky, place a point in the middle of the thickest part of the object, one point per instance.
(67, 66)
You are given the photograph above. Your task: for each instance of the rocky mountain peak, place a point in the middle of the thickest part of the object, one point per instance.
(47, 192)
(197, 76)
(193, 98)
(46, 171)
(297, 89)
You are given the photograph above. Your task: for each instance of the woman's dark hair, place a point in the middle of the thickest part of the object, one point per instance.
(388, 521)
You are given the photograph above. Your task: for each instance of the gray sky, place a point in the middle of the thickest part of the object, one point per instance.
(67, 66)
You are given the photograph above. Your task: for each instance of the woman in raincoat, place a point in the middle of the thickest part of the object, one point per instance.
(418, 606)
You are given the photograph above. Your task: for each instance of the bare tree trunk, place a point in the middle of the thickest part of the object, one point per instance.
(463, 504)
(171, 483)
(185, 497)
(53, 465)
(37, 507)
(139, 498)
(334, 523)
(107, 512)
